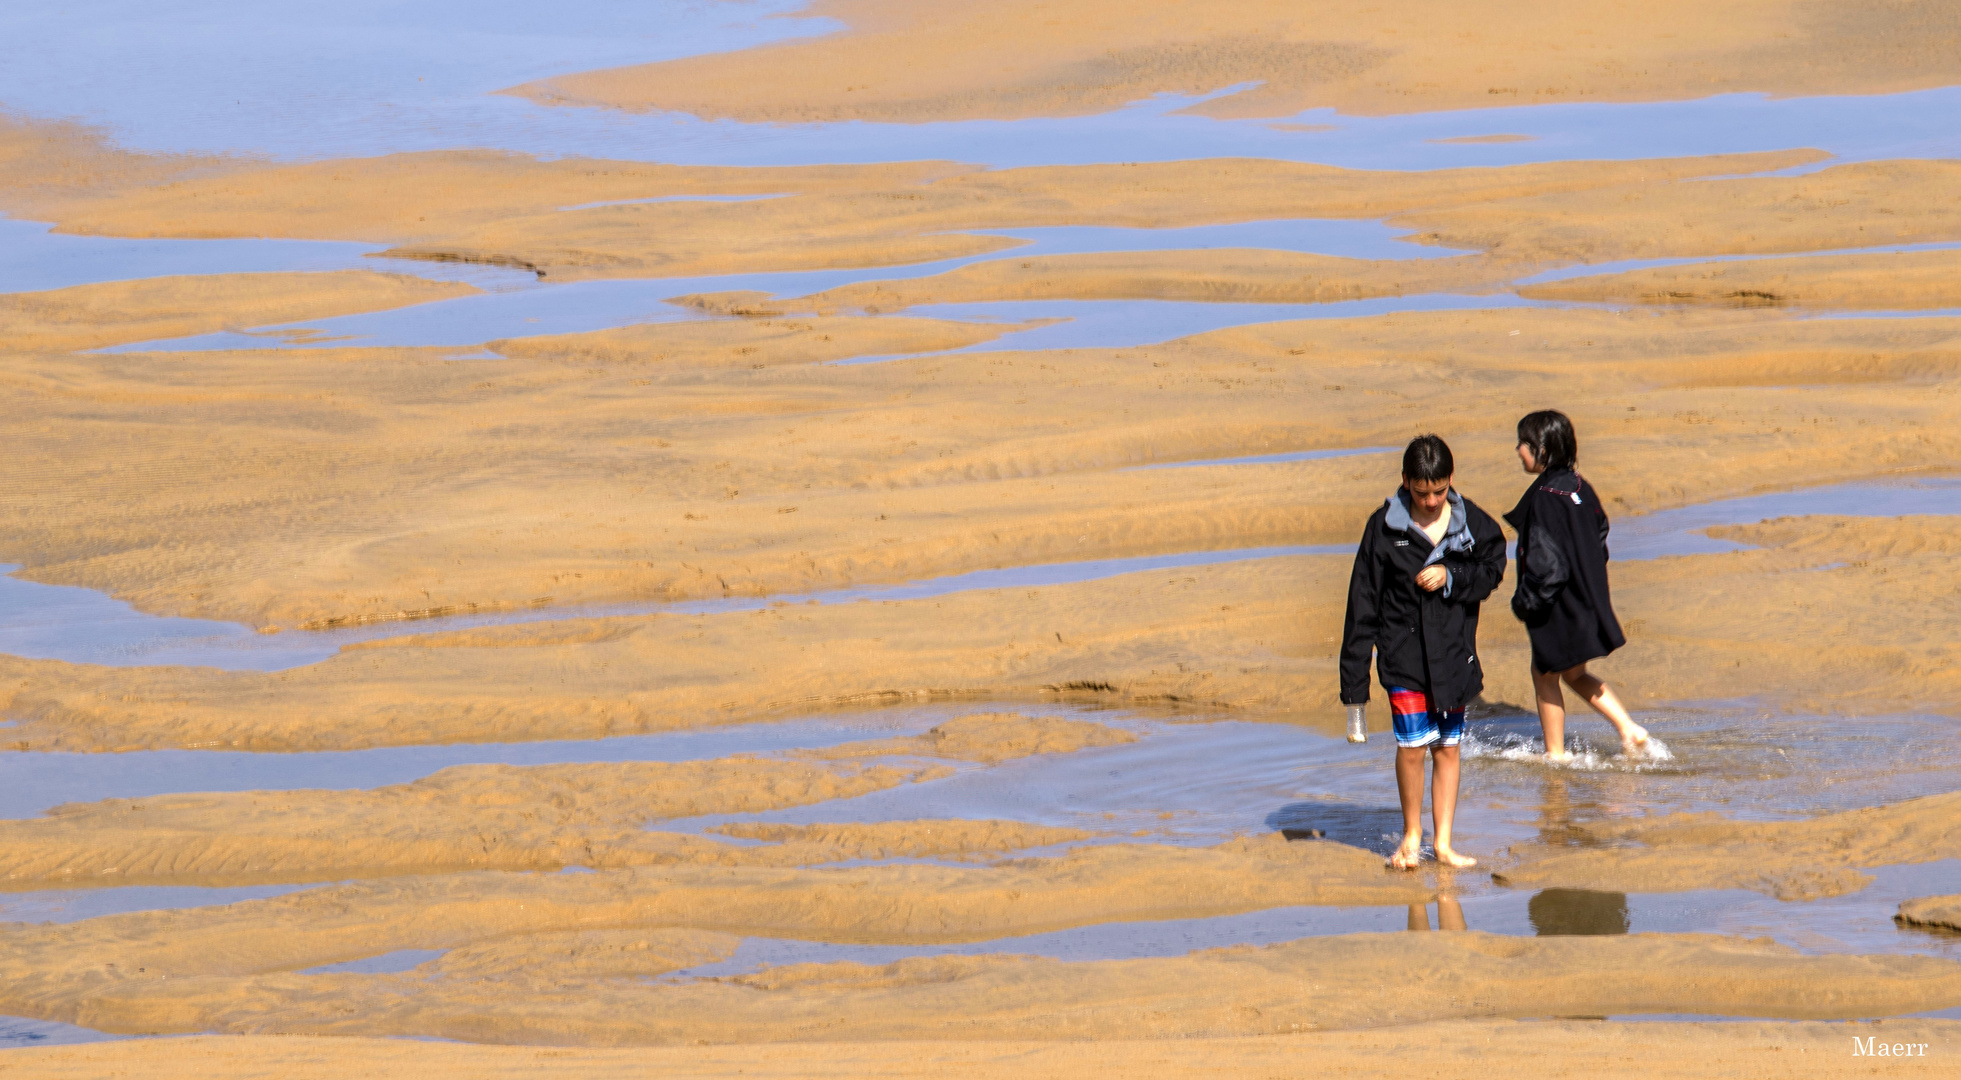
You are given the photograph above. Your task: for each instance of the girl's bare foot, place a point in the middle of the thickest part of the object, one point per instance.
(1408, 855)
(1559, 757)
(1634, 741)
(1449, 857)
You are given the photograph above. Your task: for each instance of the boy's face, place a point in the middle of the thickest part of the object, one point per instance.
(1428, 495)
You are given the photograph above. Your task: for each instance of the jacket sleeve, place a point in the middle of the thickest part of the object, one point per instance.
(1364, 619)
(1473, 579)
(1543, 569)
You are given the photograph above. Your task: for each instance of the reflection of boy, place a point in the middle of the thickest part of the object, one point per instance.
(1426, 560)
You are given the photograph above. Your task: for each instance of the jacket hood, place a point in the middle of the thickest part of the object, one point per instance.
(1457, 534)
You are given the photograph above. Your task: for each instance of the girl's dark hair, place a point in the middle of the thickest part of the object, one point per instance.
(1550, 435)
(1428, 459)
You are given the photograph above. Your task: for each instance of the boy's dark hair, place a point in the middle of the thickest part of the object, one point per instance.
(1550, 435)
(1428, 459)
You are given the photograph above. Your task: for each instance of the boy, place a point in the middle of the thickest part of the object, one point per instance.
(1428, 557)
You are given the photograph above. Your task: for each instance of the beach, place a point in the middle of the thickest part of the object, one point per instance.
(785, 541)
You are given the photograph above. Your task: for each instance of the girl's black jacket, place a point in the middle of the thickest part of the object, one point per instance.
(1422, 640)
(1562, 592)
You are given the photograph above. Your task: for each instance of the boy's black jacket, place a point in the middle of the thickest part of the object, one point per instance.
(1562, 594)
(1422, 640)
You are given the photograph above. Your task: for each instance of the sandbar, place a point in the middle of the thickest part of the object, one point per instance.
(904, 63)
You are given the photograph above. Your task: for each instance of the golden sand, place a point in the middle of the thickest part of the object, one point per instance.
(1550, 1049)
(1257, 636)
(43, 163)
(501, 817)
(118, 312)
(1329, 983)
(909, 63)
(1896, 281)
(324, 487)
(1866, 205)
(727, 480)
(727, 458)
(1800, 860)
(478, 817)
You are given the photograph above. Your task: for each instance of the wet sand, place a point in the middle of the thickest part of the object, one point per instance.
(91, 316)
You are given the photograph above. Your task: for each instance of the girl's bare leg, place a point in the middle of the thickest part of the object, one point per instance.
(1552, 712)
(1601, 696)
(1443, 803)
(1419, 917)
(1450, 914)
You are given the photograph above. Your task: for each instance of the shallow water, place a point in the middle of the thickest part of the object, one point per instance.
(33, 259)
(82, 626)
(1200, 782)
(33, 782)
(74, 905)
(1679, 531)
(388, 963)
(19, 1031)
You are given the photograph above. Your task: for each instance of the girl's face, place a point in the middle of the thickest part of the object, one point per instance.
(1526, 459)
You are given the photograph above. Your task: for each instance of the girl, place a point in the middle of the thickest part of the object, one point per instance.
(1562, 582)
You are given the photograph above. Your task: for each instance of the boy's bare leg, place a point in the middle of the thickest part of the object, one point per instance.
(1601, 696)
(1552, 713)
(1450, 914)
(1409, 785)
(1443, 803)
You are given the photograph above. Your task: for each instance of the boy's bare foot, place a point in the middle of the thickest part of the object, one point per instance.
(1408, 855)
(1635, 743)
(1559, 757)
(1449, 857)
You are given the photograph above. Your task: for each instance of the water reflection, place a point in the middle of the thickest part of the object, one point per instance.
(1577, 912)
(1450, 915)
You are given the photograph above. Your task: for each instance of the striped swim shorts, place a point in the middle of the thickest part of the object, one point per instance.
(1417, 724)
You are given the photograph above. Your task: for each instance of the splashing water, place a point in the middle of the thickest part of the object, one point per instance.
(1511, 746)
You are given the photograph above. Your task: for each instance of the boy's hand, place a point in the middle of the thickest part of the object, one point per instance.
(1432, 578)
